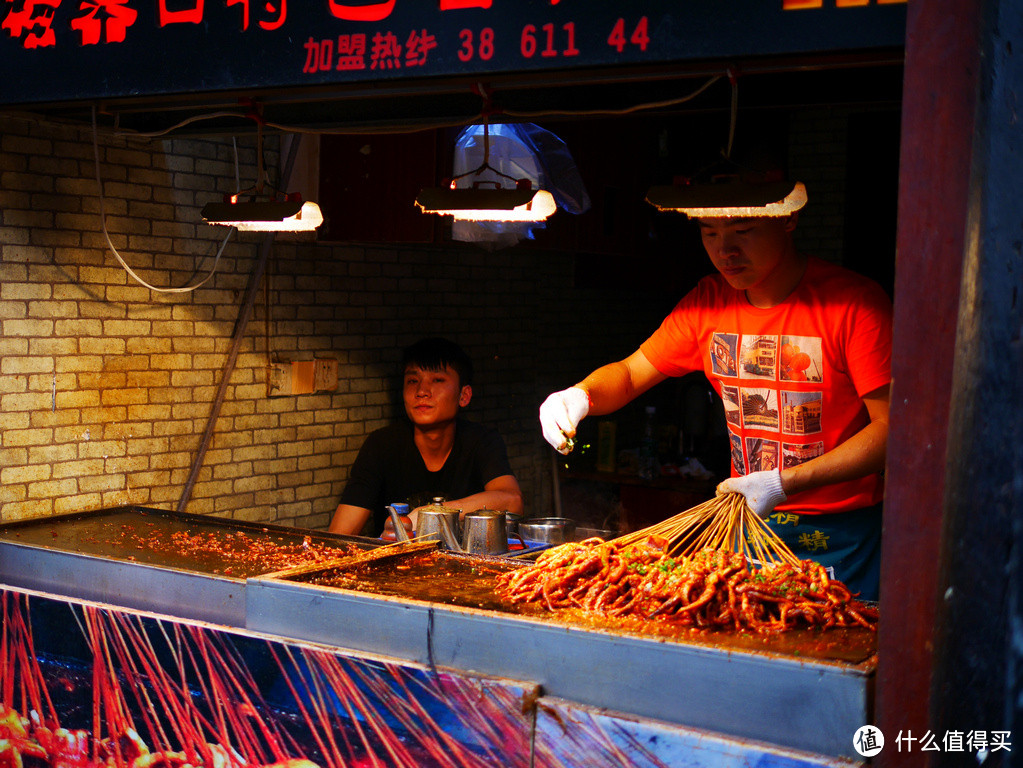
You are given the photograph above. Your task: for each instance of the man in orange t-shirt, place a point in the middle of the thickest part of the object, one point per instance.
(800, 352)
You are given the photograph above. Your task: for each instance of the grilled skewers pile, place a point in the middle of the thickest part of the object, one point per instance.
(718, 567)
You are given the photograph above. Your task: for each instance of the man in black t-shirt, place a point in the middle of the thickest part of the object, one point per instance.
(435, 453)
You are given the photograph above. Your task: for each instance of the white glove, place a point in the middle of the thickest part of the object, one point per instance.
(560, 414)
(762, 490)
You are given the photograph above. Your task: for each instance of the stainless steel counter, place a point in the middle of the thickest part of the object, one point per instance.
(125, 556)
(798, 703)
(801, 703)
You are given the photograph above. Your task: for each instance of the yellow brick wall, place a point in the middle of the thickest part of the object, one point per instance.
(106, 386)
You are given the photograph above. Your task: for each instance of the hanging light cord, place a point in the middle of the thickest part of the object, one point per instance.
(510, 113)
(485, 166)
(182, 124)
(622, 111)
(734, 82)
(434, 125)
(113, 250)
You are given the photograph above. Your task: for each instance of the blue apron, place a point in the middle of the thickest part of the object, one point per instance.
(847, 543)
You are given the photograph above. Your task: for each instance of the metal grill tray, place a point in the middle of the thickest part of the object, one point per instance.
(102, 556)
(773, 695)
(754, 692)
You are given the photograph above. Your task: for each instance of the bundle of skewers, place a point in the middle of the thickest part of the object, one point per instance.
(715, 566)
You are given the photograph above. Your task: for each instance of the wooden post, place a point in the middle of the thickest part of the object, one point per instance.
(953, 456)
(937, 128)
(976, 683)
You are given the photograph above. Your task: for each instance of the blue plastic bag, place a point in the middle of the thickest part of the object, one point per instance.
(521, 151)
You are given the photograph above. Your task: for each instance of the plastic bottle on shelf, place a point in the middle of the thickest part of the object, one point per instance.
(648, 466)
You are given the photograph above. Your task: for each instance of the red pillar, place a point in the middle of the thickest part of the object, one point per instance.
(939, 98)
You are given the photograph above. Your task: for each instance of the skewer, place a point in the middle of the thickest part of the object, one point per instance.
(387, 550)
(723, 522)
(716, 565)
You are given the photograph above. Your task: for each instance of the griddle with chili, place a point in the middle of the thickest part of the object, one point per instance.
(186, 542)
(475, 583)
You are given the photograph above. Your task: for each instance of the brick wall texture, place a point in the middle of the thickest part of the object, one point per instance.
(106, 385)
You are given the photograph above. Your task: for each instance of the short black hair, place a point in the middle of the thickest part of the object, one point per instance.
(435, 354)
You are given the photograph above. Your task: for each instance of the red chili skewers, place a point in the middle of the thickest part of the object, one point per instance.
(710, 589)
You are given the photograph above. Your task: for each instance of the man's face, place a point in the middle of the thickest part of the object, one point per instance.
(747, 251)
(433, 397)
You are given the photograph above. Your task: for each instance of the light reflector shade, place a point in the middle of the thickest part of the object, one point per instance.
(731, 199)
(267, 216)
(488, 204)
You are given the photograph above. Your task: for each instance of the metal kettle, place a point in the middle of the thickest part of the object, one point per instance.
(441, 523)
(434, 521)
(483, 532)
(398, 511)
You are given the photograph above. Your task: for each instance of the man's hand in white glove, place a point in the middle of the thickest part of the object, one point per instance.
(560, 414)
(762, 490)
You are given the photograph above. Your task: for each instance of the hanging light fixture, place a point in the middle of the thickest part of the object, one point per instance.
(727, 190)
(480, 203)
(276, 212)
(488, 199)
(729, 196)
(289, 214)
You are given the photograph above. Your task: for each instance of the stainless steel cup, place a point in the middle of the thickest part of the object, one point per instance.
(485, 532)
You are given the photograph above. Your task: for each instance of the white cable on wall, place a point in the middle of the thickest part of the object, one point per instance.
(113, 250)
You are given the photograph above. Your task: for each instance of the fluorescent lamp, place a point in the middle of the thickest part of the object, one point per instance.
(474, 204)
(265, 216)
(730, 199)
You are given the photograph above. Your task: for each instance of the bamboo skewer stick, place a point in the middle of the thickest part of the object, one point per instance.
(387, 550)
(723, 522)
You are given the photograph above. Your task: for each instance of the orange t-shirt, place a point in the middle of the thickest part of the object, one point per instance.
(791, 377)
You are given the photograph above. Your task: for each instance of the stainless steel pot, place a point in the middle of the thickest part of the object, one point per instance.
(547, 530)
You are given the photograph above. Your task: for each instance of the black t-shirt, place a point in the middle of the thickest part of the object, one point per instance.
(389, 469)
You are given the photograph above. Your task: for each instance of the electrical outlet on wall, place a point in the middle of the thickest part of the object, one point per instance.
(325, 375)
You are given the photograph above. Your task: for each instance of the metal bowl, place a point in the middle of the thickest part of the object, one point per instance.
(601, 533)
(547, 530)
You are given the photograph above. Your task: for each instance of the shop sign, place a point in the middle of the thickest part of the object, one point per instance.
(84, 49)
